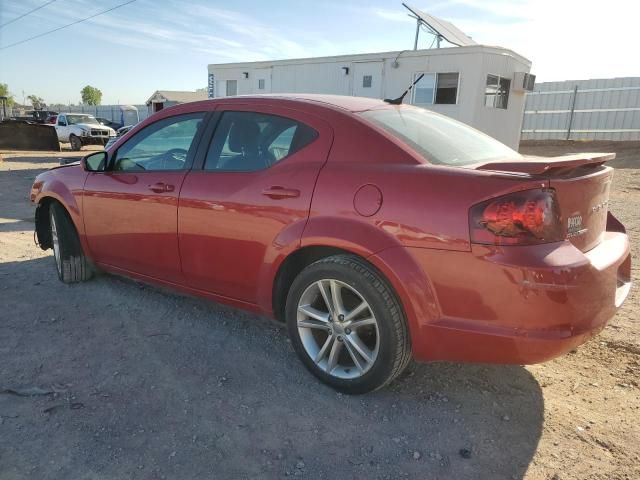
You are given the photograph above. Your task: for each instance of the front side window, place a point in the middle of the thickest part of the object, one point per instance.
(232, 88)
(250, 141)
(75, 119)
(436, 88)
(496, 94)
(439, 139)
(62, 120)
(164, 145)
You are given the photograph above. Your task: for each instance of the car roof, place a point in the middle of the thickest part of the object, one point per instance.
(345, 102)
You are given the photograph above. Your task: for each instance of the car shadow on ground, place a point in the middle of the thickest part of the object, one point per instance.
(154, 384)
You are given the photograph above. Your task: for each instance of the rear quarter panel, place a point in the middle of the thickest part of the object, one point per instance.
(420, 206)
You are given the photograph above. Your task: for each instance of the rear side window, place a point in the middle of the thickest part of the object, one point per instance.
(439, 139)
(250, 141)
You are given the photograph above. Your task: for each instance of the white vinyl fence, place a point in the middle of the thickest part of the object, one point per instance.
(601, 109)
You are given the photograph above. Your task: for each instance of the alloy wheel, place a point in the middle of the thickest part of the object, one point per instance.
(56, 243)
(338, 329)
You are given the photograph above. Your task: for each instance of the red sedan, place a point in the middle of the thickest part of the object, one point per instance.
(379, 233)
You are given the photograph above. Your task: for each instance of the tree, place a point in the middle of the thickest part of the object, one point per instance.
(4, 92)
(37, 102)
(91, 95)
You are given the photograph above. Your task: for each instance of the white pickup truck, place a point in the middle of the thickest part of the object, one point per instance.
(80, 129)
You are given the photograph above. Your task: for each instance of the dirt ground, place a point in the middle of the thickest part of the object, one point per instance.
(137, 382)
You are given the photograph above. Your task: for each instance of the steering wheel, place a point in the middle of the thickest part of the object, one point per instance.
(173, 159)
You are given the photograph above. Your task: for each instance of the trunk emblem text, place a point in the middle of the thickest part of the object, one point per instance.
(574, 226)
(599, 206)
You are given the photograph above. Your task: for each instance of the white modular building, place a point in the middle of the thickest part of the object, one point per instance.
(482, 86)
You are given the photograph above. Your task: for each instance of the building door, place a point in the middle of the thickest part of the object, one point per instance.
(367, 79)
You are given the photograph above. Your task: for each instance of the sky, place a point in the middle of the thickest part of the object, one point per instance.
(153, 45)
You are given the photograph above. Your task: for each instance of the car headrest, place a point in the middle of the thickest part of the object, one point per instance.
(243, 136)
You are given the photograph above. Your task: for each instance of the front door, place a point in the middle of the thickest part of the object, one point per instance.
(367, 79)
(130, 211)
(250, 198)
(62, 129)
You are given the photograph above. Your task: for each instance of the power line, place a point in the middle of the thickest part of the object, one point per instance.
(28, 13)
(68, 25)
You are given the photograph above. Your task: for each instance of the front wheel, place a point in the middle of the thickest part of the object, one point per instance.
(347, 325)
(76, 143)
(71, 263)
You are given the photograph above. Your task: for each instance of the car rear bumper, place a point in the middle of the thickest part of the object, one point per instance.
(519, 305)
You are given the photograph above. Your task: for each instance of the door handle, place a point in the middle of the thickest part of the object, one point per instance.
(278, 193)
(161, 187)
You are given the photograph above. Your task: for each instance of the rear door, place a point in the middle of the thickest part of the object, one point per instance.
(62, 129)
(250, 198)
(130, 212)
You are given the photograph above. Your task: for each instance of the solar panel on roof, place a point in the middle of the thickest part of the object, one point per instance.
(444, 29)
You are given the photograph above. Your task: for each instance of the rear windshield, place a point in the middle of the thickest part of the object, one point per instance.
(439, 139)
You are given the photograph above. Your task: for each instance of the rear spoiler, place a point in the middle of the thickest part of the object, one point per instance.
(540, 165)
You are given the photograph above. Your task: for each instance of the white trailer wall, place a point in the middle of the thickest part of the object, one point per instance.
(390, 74)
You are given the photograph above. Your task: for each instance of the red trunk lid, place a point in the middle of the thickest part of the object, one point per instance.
(582, 184)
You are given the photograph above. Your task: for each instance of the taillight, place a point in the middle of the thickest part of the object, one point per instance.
(523, 218)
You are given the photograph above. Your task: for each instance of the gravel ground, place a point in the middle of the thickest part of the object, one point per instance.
(138, 382)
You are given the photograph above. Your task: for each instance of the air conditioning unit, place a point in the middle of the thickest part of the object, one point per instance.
(523, 82)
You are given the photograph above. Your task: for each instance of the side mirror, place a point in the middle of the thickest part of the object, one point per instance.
(96, 162)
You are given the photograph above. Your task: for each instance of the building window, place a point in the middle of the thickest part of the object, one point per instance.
(366, 81)
(232, 88)
(261, 84)
(424, 89)
(436, 88)
(447, 88)
(496, 94)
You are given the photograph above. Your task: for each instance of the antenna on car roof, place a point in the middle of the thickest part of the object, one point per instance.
(398, 101)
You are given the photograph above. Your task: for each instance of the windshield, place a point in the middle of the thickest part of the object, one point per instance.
(439, 139)
(75, 119)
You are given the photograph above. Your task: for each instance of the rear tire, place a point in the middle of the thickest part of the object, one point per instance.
(372, 346)
(71, 263)
(76, 143)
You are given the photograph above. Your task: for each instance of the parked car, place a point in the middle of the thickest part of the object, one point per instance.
(35, 116)
(40, 116)
(108, 123)
(80, 129)
(378, 233)
(120, 132)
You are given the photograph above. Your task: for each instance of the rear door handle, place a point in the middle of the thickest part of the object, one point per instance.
(161, 187)
(278, 193)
